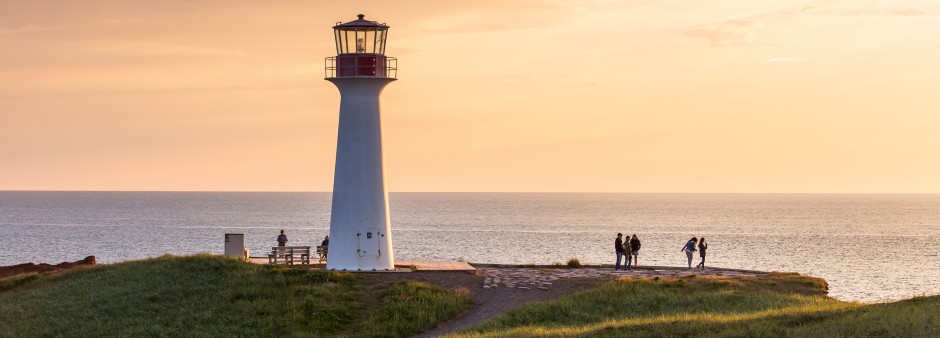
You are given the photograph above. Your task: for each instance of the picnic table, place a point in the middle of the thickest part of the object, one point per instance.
(289, 253)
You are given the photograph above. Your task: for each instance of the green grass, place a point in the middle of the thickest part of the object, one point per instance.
(414, 307)
(211, 296)
(768, 306)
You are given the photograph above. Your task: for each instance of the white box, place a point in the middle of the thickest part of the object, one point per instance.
(235, 245)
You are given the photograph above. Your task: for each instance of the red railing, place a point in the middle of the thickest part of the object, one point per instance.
(361, 65)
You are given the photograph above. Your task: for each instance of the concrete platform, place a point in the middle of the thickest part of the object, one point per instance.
(423, 265)
(401, 265)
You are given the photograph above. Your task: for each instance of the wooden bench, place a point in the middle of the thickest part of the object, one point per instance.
(288, 253)
(322, 251)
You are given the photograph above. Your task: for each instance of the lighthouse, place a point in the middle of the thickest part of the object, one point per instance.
(360, 229)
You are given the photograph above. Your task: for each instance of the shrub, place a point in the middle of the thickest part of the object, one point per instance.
(574, 263)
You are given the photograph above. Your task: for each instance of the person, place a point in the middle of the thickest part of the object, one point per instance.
(628, 253)
(282, 239)
(618, 248)
(702, 246)
(689, 248)
(635, 245)
(326, 246)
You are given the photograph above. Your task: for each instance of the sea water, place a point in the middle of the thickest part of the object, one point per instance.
(869, 247)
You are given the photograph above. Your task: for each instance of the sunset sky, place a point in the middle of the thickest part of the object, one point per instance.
(579, 96)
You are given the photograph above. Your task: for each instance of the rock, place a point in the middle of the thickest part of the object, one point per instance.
(7, 271)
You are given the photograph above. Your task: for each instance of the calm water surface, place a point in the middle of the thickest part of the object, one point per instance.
(869, 247)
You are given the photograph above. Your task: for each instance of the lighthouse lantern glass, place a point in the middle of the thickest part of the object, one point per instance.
(353, 40)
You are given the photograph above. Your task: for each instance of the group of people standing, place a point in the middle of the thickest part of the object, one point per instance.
(689, 248)
(629, 248)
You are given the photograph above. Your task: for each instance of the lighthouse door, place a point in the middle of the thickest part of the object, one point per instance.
(368, 242)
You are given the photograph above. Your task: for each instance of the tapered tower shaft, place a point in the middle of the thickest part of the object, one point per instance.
(360, 228)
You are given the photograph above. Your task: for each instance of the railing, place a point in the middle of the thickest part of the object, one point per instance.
(353, 66)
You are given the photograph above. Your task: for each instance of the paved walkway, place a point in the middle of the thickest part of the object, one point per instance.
(404, 265)
(424, 265)
(542, 278)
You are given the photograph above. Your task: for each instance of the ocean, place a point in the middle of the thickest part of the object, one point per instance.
(869, 247)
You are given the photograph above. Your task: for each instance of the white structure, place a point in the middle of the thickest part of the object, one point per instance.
(235, 245)
(360, 230)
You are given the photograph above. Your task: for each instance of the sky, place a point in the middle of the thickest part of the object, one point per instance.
(751, 96)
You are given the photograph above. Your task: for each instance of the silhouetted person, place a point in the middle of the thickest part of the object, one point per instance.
(628, 253)
(689, 248)
(702, 246)
(635, 245)
(618, 248)
(326, 246)
(282, 239)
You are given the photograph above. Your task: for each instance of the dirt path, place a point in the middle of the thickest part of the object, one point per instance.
(491, 302)
(487, 302)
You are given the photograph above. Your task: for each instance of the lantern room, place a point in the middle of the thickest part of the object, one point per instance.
(360, 50)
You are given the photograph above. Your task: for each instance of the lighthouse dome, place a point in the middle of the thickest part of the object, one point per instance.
(361, 22)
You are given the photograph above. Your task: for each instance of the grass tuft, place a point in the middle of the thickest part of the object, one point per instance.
(410, 307)
(574, 263)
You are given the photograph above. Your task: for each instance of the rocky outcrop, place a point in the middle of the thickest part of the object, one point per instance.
(13, 270)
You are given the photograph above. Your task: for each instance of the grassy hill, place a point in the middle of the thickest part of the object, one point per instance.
(205, 296)
(211, 296)
(777, 305)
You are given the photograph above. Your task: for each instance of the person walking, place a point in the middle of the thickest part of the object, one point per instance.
(282, 239)
(635, 245)
(702, 246)
(628, 253)
(618, 248)
(689, 248)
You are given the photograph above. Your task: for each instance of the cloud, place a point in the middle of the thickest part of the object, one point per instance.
(911, 12)
(26, 29)
(731, 32)
(170, 49)
(480, 16)
(191, 50)
(782, 59)
(881, 9)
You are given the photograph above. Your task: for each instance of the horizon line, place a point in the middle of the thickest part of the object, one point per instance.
(498, 192)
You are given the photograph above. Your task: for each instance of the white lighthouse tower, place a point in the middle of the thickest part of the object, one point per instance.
(360, 230)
